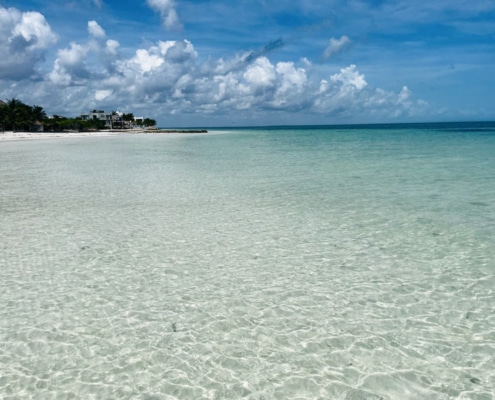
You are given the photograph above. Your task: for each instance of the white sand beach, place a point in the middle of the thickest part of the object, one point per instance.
(10, 135)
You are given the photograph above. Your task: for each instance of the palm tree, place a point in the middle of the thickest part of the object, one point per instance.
(38, 113)
(3, 115)
(18, 114)
(13, 112)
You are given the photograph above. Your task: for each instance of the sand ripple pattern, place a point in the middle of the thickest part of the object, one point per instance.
(191, 268)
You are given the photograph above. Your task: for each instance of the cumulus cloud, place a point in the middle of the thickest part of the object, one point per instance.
(112, 46)
(404, 96)
(147, 61)
(169, 78)
(261, 74)
(23, 38)
(102, 94)
(34, 29)
(336, 46)
(167, 10)
(95, 30)
(70, 65)
(350, 78)
(167, 61)
(347, 93)
(76, 64)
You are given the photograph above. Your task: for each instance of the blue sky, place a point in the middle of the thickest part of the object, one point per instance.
(253, 62)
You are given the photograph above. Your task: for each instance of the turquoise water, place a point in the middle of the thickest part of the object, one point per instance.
(317, 263)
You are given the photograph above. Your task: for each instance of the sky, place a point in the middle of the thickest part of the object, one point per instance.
(206, 63)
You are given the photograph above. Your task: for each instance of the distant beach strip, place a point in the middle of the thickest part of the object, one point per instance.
(10, 135)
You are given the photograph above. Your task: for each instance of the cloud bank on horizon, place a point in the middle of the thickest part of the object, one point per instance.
(253, 63)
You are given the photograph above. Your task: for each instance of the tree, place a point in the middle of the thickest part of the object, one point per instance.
(3, 116)
(17, 115)
(38, 113)
(12, 113)
(128, 117)
(149, 122)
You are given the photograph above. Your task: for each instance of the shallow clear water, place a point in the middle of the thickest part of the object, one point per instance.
(258, 264)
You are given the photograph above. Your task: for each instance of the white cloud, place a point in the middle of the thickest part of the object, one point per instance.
(292, 82)
(260, 74)
(23, 38)
(164, 46)
(147, 61)
(112, 46)
(350, 78)
(59, 76)
(86, 62)
(178, 51)
(292, 76)
(404, 95)
(336, 46)
(34, 30)
(73, 57)
(166, 59)
(306, 62)
(169, 78)
(102, 94)
(95, 30)
(167, 10)
(348, 95)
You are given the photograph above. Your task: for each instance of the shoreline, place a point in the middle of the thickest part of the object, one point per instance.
(22, 135)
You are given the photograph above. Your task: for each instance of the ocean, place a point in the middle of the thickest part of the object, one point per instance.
(344, 262)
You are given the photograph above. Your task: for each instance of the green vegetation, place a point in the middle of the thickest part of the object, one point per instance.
(149, 122)
(17, 116)
(128, 117)
(58, 123)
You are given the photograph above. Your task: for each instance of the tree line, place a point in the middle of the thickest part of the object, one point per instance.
(17, 116)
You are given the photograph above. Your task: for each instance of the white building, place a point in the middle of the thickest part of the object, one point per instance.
(98, 115)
